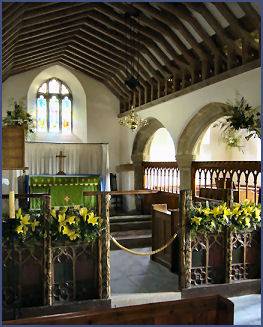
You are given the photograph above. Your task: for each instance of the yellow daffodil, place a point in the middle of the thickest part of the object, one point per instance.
(62, 221)
(53, 213)
(70, 233)
(76, 207)
(71, 220)
(92, 219)
(236, 211)
(61, 217)
(216, 211)
(25, 219)
(73, 236)
(206, 211)
(83, 212)
(246, 212)
(34, 224)
(196, 220)
(247, 222)
(20, 229)
(19, 213)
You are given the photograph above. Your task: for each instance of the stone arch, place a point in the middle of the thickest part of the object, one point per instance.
(190, 136)
(79, 103)
(198, 125)
(142, 137)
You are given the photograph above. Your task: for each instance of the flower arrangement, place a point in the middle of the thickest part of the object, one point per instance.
(242, 217)
(18, 116)
(66, 224)
(242, 116)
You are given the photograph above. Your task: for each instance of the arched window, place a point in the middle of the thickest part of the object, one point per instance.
(54, 107)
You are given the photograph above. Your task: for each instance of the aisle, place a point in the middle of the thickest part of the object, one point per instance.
(136, 274)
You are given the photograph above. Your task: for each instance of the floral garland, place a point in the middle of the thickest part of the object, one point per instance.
(242, 217)
(73, 224)
(242, 116)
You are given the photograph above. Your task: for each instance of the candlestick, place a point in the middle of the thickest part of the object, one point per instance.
(12, 212)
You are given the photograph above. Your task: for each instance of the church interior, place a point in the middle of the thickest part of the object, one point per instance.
(131, 163)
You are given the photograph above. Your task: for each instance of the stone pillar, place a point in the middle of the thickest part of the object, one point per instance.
(138, 173)
(185, 167)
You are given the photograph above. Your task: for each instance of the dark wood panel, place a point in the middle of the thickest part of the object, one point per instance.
(214, 310)
(13, 147)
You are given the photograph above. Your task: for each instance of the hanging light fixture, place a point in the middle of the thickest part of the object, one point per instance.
(132, 120)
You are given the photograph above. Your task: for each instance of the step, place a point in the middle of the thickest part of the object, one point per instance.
(132, 239)
(122, 300)
(134, 225)
(133, 218)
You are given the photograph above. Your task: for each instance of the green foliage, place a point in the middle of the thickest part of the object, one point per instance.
(18, 116)
(65, 224)
(242, 116)
(242, 217)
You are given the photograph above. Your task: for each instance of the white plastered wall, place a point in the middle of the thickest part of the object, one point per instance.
(95, 108)
(176, 113)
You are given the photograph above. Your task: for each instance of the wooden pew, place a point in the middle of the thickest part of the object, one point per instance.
(209, 310)
(164, 225)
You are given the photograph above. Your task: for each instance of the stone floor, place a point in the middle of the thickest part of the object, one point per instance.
(138, 280)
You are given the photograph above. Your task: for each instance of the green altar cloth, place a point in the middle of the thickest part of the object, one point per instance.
(65, 190)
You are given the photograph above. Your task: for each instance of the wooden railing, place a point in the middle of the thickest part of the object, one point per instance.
(209, 178)
(162, 176)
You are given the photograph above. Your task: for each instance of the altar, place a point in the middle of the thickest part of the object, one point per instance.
(65, 190)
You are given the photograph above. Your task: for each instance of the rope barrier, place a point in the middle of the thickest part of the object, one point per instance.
(144, 253)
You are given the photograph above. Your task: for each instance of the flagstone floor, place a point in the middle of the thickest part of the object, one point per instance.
(139, 280)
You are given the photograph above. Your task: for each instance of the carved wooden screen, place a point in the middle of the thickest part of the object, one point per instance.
(162, 176)
(211, 177)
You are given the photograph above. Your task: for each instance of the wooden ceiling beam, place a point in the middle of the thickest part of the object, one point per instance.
(103, 62)
(118, 37)
(166, 31)
(144, 33)
(105, 55)
(113, 43)
(85, 68)
(71, 66)
(113, 50)
(20, 49)
(39, 55)
(96, 69)
(168, 19)
(38, 58)
(18, 42)
(220, 32)
(178, 10)
(251, 13)
(38, 63)
(237, 29)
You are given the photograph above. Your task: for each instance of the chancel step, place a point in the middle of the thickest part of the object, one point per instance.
(139, 218)
(132, 239)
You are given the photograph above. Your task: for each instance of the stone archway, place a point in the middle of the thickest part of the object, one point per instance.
(190, 135)
(141, 138)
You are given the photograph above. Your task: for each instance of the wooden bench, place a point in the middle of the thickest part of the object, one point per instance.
(209, 310)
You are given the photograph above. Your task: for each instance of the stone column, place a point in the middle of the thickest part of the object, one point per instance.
(185, 167)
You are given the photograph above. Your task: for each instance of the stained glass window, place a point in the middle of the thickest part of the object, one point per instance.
(54, 114)
(54, 107)
(41, 114)
(66, 115)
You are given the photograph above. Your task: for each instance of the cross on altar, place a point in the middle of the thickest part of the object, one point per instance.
(61, 157)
